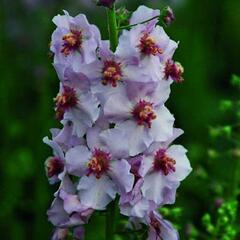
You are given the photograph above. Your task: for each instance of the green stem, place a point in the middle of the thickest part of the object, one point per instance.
(129, 26)
(110, 221)
(112, 28)
(113, 37)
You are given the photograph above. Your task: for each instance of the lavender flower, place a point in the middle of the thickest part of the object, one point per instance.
(67, 210)
(74, 41)
(163, 169)
(103, 169)
(79, 108)
(149, 44)
(116, 132)
(144, 119)
(54, 165)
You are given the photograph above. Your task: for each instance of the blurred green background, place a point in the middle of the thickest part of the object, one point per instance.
(209, 50)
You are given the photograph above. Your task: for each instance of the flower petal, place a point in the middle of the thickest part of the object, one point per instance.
(120, 173)
(162, 126)
(96, 193)
(77, 159)
(183, 168)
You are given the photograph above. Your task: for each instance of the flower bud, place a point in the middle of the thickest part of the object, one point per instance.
(168, 15)
(106, 3)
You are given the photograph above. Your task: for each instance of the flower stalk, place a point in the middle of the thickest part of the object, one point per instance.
(113, 38)
(110, 221)
(112, 27)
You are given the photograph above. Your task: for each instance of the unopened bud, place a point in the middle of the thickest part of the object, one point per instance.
(168, 15)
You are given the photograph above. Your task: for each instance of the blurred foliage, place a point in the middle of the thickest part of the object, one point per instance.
(209, 51)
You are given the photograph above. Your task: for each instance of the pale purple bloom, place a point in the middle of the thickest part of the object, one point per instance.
(148, 44)
(163, 168)
(78, 107)
(117, 133)
(132, 203)
(158, 228)
(111, 73)
(66, 209)
(103, 169)
(54, 165)
(143, 119)
(74, 41)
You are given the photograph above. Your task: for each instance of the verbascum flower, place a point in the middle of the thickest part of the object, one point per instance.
(148, 43)
(74, 41)
(116, 135)
(164, 166)
(143, 119)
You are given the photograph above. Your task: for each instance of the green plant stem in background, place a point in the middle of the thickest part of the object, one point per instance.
(110, 221)
(112, 28)
(113, 37)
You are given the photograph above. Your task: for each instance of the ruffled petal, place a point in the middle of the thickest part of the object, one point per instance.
(96, 193)
(115, 141)
(182, 166)
(162, 126)
(144, 13)
(138, 137)
(120, 173)
(77, 159)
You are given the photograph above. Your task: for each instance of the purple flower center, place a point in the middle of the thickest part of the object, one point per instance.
(99, 163)
(163, 163)
(72, 41)
(143, 113)
(148, 46)
(111, 73)
(174, 70)
(65, 100)
(54, 166)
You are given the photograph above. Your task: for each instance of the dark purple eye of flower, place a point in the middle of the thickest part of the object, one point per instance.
(99, 163)
(65, 100)
(72, 41)
(155, 224)
(111, 73)
(143, 113)
(174, 70)
(163, 163)
(54, 166)
(148, 46)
